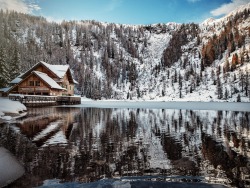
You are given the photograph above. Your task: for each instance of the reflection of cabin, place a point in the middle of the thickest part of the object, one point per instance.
(50, 126)
(44, 79)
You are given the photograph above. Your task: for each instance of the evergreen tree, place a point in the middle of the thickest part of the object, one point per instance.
(226, 66)
(226, 94)
(175, 76)
(234, 62)
(14, 65)
(247, 83)
(138, 93)
(238, 98)
(162, 93)
(219, 89)
(3, 68)
(202, 66)
(128, 95)
(132, 74)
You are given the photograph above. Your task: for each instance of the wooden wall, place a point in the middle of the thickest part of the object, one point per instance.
(26, 88)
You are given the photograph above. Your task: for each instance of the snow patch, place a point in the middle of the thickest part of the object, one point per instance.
(10, 107)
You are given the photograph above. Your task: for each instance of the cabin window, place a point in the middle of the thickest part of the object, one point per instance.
(31, 83)
(37, 83)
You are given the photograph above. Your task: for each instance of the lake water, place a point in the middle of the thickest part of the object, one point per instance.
(74, 146)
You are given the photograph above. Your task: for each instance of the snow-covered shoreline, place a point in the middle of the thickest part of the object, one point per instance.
(10, 109)
(189, 105)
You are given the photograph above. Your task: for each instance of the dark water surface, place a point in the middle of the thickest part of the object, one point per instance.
(61, 145)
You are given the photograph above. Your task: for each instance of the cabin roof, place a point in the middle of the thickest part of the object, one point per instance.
(17, 79)
(59, 70)
(6, 89)
(48, 80)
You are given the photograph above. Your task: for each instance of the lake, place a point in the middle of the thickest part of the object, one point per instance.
(133, 145)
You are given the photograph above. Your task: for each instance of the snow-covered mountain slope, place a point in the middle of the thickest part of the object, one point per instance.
(206, 62)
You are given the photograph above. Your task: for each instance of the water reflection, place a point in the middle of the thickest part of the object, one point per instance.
(87, 144)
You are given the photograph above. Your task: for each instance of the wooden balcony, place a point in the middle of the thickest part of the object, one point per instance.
(42, 100)
(33, 89)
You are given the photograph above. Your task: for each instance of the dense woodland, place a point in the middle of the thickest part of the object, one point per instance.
(128, 62)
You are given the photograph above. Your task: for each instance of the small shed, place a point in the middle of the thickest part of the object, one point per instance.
(4, 92)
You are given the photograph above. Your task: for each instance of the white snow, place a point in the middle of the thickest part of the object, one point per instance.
(17, 79)
(10, 107)
(48, 80)
(59, 70)
(6, 89)
(227, 106)
(86, 99)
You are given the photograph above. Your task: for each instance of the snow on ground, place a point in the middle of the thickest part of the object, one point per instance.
(195, 105)
(10, 107)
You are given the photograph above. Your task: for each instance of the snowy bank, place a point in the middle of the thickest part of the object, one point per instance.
(8, 107)
(188, 105)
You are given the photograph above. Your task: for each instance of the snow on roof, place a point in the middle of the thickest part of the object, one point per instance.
(75, 82)
(59, 70)
(17, 79)
(5, 89)
(48, 80)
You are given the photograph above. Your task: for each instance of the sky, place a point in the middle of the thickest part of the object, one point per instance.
(125, 11)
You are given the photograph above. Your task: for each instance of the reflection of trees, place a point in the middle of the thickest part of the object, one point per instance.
(229, 154)
(172, 147)
(120, 142)
(232, 164)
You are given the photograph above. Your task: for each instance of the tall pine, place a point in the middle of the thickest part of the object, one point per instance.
(14, 65)
(3, 68)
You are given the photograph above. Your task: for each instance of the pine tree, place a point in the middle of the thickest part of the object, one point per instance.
(226, 66)
(3, 68)
(226, 94)
(175, 76)
(202, 66)
(180, 85)
(128, 95)
(138, 93)
(234, 62)
(219, 89)
(247, 83)
(238, 98)
(14, 65)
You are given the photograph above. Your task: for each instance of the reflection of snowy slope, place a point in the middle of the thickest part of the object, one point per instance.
(58, 138)
(181, 125)
(47, 130)
(139, 142)
(158, 158)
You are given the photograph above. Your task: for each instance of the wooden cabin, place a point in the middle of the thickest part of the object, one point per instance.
(45, 79)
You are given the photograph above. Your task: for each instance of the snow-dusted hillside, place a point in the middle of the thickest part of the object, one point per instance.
(187, 62)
